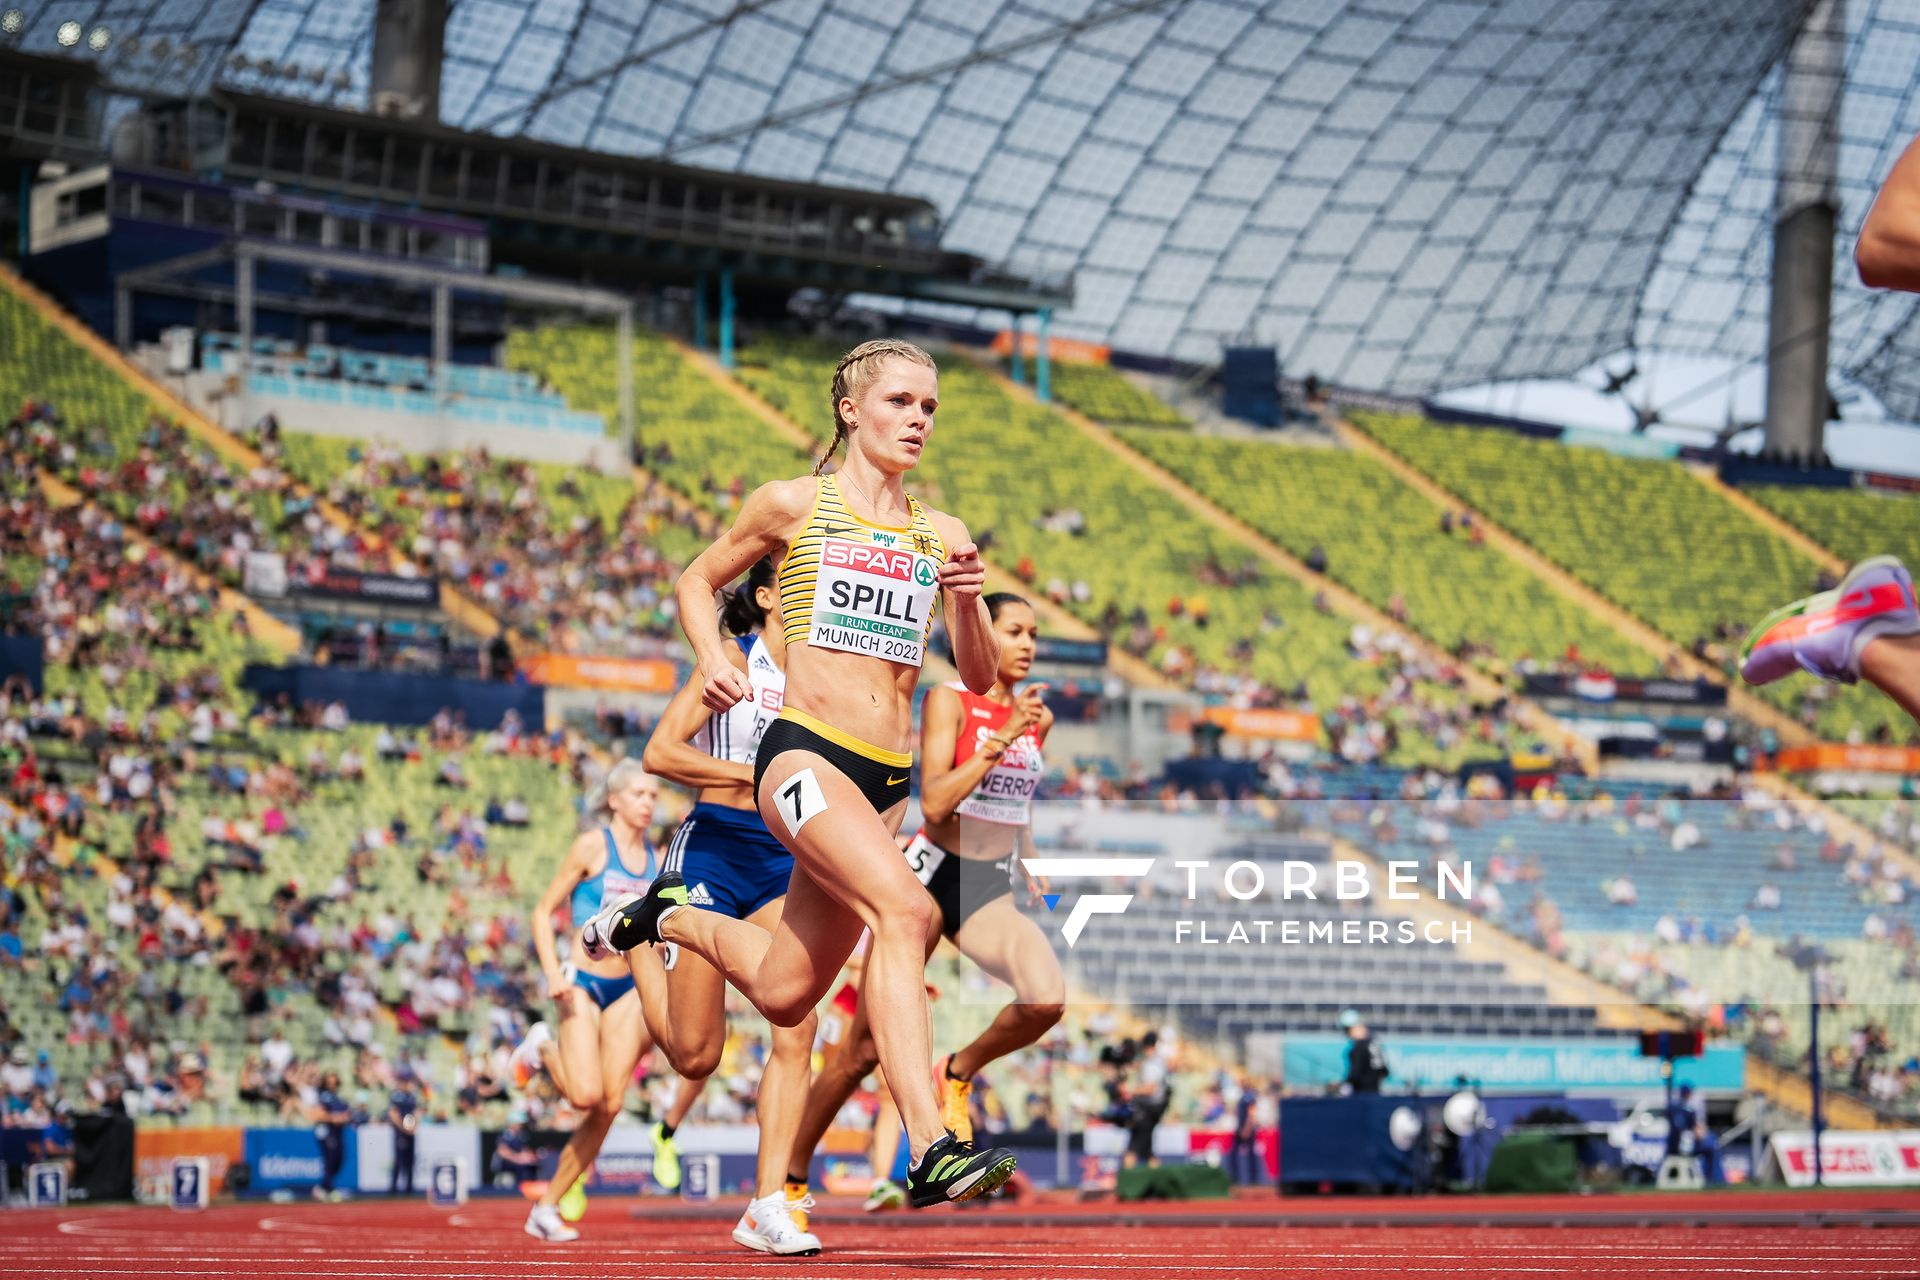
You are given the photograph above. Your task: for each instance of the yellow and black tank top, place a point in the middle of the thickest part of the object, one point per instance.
(866, 588)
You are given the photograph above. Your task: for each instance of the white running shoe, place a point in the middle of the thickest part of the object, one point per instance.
(593, 934)
(767, 1227)
(544, 1224)
(525, 1060)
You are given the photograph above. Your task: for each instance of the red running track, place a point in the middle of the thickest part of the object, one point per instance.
(374, 1240)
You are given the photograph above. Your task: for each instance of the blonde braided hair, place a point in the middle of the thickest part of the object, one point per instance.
(855, 373)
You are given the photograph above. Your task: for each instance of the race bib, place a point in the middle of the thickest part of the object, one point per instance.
(800, 800)
(1005, 795)
(874, 600)
(924, 858)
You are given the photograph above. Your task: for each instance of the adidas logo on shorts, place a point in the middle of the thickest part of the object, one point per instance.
(698, 896)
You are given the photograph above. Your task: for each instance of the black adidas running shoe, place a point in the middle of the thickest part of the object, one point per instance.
(953, 1170)
(625, 925)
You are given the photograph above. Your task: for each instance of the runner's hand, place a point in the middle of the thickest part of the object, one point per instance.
(964, 573)
(1028, 710)
(1038, 887)
(560, 991)
(722, 688)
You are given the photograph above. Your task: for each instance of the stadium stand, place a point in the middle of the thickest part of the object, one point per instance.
(580, 562)
(1854, 523)
(691, 433)
(1434, 988)
(1392, 548)
(1755, 991)
(1895, 820)
(1715, 890)
(1614, 523)
(1104, 394)
(89, 426)
(349, 380)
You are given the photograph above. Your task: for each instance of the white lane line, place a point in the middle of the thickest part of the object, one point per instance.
(896, 1256)
(1704, 1267)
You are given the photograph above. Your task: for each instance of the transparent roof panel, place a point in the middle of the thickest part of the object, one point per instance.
(1407, 195)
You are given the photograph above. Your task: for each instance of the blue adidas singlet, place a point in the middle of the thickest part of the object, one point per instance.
(613, 882)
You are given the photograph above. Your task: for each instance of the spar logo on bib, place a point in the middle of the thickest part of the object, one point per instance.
(923, 572)
(883, 561)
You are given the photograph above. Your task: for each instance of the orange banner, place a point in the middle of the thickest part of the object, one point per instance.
(632, 675)
(1287, 726)
(1838, 755)
(154, 1151)
(1065, 349)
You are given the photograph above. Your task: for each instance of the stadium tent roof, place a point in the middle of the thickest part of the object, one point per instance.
(1403, 195)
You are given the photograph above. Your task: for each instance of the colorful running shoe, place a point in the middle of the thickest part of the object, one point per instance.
(886, 1194)
(768, 1227)
(956, 1112)
(544, 1224)
(625, 925)
(573, 1205)
(666, 1159)
(1825, 634)
(525, 1061)
(799, 1201)
(952, 1170)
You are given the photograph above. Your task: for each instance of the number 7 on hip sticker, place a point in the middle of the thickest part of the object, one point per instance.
(799, 800)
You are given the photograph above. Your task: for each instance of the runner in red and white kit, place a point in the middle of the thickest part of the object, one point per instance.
(981, 761)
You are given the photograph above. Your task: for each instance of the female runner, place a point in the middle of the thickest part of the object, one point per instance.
(981, 763)
(860, 566)
(732, 865)
(602, 1035)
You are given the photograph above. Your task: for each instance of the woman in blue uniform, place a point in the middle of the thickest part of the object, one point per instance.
(602, 1034)
(733, 865)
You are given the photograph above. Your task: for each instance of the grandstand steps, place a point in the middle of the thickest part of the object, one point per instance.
(1058, 621)
(700, 519)
(1344, 602)
(454, 603)
(1613, 1006)
(1793, 1091)
(1739, 700)
(1565, 983)
(1759, 514)
(1842, 826)
(260, 623)
(1658, 646)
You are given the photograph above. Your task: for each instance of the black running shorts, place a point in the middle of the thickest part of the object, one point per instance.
(882, 776)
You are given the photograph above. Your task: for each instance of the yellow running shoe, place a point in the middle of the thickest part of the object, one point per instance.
(955, 1113)
(799, 1200)
(573, 1205)
(666, 1159)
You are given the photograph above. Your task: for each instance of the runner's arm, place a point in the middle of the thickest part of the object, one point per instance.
(671, 755)
(975, 650)
(766, 520)
(944, 785)
(572, 871)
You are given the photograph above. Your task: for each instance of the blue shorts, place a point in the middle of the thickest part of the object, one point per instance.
(731, 862)
(603, 991)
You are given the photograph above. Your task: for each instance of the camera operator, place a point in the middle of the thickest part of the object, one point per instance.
(1150, 1094)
